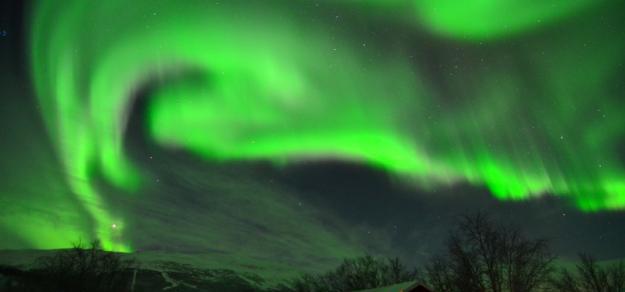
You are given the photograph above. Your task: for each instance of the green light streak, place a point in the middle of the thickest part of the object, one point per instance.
(487, 19)
(248, 81)
(479, 20)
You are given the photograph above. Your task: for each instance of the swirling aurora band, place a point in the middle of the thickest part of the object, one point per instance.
(242, 80)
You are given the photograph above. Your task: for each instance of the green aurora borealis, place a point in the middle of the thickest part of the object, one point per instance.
(247, 80)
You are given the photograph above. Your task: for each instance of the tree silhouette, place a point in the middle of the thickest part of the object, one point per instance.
(85, 268)
(591, 277)
(484, 257)
(356, 274)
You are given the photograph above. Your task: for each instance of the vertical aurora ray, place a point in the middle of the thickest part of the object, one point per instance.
(245, 81)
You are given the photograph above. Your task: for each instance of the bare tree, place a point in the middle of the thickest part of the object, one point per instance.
(397, 272)
(439, 274)
(85, 268)
(356, 274)
(484, 257)
(591, 277)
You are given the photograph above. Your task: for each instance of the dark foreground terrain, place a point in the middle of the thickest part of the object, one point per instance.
(172, 277)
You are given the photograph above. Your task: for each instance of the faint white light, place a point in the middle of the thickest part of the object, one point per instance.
(114, 226)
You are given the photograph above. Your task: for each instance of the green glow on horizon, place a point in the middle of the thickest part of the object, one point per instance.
(262, 84)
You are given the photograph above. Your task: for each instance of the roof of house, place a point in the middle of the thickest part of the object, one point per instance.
(410, 286)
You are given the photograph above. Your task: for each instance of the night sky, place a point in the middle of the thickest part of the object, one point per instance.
(292, 134)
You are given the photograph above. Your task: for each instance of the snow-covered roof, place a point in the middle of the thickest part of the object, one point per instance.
(406, 286)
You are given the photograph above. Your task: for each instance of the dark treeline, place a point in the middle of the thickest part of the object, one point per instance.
(81, 268)
(355, 274)
(479, 256)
